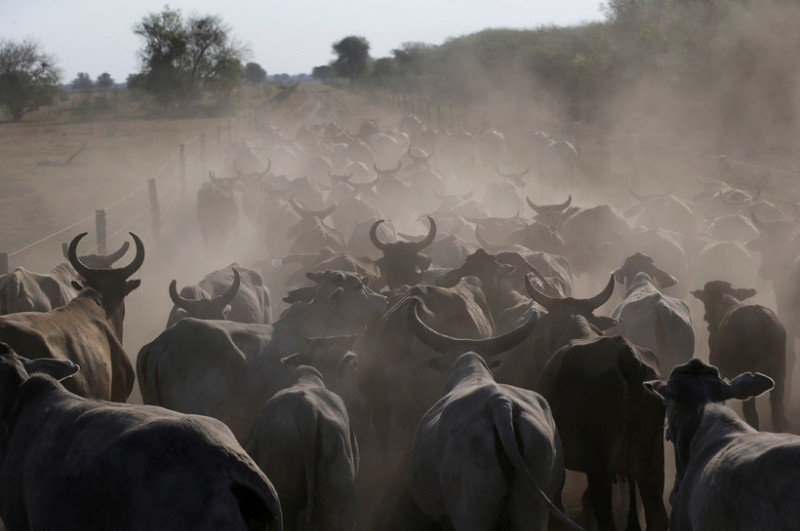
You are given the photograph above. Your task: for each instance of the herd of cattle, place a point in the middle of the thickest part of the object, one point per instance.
(442, 381)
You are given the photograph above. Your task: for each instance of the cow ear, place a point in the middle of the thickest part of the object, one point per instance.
(438, 364)
(58, 369)
(657, 388)
(296, 359)
(494, 363)
(743, 293)
(746, 385)
(699, 294)
(364, 280)
(132, 285)
(664, 279)
(77, 285)
(619, 276)
(336, 293)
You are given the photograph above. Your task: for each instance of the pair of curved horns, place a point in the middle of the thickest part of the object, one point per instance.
(86, 271)
(538, 209)
(223, 300)
(373, 236)
(590, 304)
(488, 347)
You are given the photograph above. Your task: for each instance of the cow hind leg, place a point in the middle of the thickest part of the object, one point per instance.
(633, 512)
(599, 490)
(750, 413)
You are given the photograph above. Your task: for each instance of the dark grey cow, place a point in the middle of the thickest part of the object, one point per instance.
(76, 464)
(234, 293)
(403, 262)
(303, 442)
(228, 370)
(745, 337)
(729, 476)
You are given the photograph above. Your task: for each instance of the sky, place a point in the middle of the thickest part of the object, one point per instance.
(286, 36)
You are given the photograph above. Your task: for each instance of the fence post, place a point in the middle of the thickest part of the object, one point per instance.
(100, 228)
(229, 132)
(4, 264)
(155, 212)
(182, 156)
(203, 148)
(219, 138)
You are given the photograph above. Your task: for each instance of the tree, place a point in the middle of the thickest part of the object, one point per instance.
(104, 81)
(254, 74)
(182, 57)
(322, 73)
(28, 77)
(82, 82)
(353, 59)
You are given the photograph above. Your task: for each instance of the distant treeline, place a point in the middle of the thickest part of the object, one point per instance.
(717, 74)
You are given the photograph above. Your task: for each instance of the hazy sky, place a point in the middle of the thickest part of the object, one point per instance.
(287, 36)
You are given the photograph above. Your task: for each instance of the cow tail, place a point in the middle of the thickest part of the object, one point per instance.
(308, 439)
(146, 371)
(503, 417)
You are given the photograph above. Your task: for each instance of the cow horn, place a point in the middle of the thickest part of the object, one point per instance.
(228, 296)
(537, 296)
(487, 347)
(515, 176)
(113, 257)
(322, 214)
(373, 236)
(429, 238)
(180, 302)
(602, 297)
(85, 271)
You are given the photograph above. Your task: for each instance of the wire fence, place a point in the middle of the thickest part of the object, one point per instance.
(156, 198)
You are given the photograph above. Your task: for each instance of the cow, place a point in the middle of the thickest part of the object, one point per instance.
(26, 291)
(397, 389)
(228, 370)
(664, 211)
(73, 463)
(486, 455)
(235, 293)
(87, 331)
(554, 215)
(745, 337)
(403, 262)
(588, 232)
(729, 477)
(611, 427)
(303, 442)
(649, 318)
(217, 211)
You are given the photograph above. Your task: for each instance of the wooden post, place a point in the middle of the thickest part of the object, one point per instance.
(4, 264)
(203, 148)
(219, 138)
(229, 132)
(155, 212)
(100, 227)
(182, 156)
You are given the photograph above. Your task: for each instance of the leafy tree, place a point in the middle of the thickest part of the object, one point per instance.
(322, 73)
(353, 57)
(82, 82)
(254, 74)
(182, 57)
(28, 77)
(104, 81)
